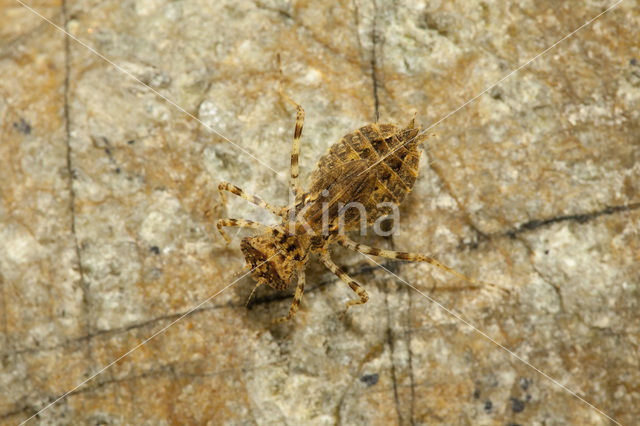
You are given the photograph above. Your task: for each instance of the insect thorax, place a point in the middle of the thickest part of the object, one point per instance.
(269, 263)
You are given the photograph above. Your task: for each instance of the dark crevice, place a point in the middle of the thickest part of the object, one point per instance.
(70, 177)
(116, 331)
(373, 59)
(530, 225)
(167, 370)
(393, 268)
(339, 408)
(374, 74)
(541, 223)
(579, 218)
(394, 379)
(282, 12)
(409, 337)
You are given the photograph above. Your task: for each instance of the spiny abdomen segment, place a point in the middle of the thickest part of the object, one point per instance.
(391, 155)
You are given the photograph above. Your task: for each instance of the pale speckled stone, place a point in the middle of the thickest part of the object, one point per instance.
(525, 187)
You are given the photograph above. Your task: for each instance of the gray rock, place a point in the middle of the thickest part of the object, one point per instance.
(109, 199)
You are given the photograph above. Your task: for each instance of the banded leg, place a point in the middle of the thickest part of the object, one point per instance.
(412, 257)
(297, 298)
(240, 223)
(294, 184)
(361, 292)
(226, 186)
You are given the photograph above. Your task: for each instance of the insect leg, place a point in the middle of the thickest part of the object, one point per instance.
(294, 184)
(412, 257)
(225, 186)
(361, 292)
(240, 223)
(297, 298)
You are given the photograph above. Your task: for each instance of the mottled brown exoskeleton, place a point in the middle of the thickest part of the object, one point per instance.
(374, 165)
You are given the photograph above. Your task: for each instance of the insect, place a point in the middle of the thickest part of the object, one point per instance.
(375, 166)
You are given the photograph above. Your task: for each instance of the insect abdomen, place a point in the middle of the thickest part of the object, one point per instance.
(396, 173)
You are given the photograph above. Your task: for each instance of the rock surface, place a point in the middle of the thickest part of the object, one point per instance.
(108, 205)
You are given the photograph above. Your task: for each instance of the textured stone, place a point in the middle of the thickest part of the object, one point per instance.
(108, 205)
